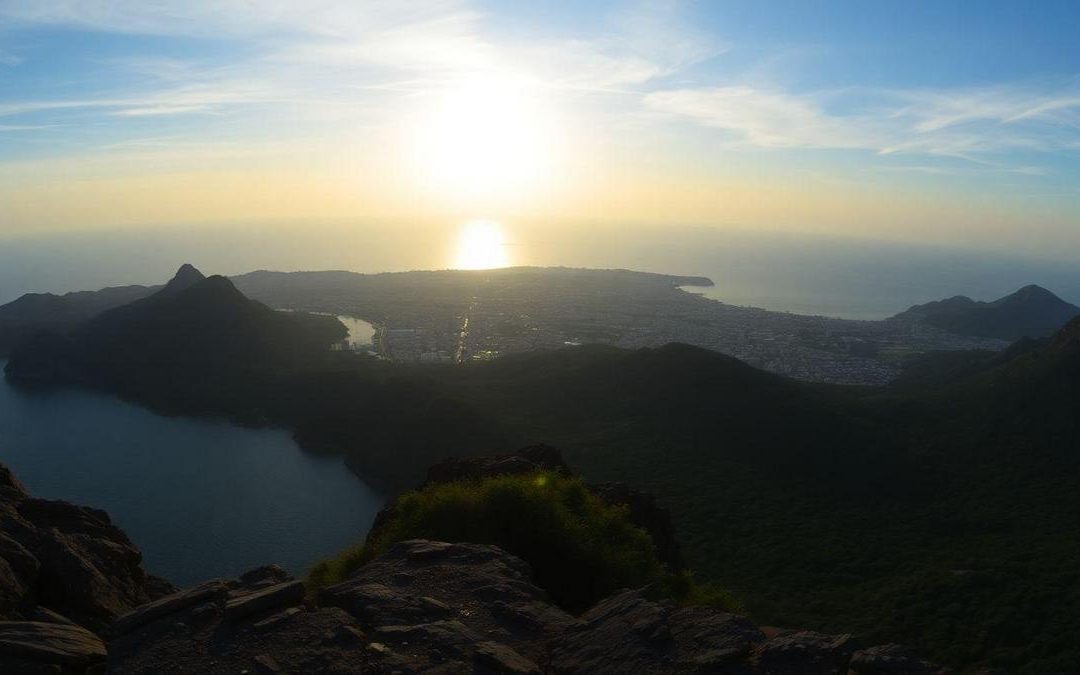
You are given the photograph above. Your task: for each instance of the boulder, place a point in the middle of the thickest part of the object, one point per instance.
(624, 633)
(484, 588)
(492, 657)
(890, 659)
(26, 644)
(170, 604)
(807, 651)
(265, 599)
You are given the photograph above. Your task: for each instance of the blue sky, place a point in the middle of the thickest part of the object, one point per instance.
(897, 119)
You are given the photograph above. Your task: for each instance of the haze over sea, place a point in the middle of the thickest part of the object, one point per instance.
(801, 273)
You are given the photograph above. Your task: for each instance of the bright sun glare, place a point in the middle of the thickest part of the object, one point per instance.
(481, 246)
(483, 137)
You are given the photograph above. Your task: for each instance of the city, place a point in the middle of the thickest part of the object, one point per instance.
(458, 316)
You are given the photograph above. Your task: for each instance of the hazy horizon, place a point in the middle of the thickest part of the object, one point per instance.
(838, 276)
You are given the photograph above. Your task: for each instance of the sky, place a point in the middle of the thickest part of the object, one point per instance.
(936, 122)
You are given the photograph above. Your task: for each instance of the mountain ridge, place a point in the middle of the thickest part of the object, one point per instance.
(812, 497)
(1031, 311)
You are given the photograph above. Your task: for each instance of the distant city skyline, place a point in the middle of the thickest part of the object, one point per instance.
(932, 122)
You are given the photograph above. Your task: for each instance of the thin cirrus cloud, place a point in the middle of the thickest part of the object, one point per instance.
(325, 52)
(963, 123)
(194, 18)
(326, 55)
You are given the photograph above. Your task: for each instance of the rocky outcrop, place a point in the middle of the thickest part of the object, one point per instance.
(428, 606)
(67, 562)
(77, 601)
(488, 591)
(66, 573)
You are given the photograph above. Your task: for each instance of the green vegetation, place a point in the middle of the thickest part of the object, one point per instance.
(941, 513)
(580, 548)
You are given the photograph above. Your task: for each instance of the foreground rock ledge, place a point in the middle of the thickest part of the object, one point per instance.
(75, 599)
(428, 606)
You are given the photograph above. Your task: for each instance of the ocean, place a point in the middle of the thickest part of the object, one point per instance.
(806, 274)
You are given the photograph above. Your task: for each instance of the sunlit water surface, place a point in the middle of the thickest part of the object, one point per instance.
(808, 274)
(201, 498)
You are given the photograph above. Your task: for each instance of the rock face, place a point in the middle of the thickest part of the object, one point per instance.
(423, 583)
(66, 573)
(428, 606)
(68, 559)
(40, 647)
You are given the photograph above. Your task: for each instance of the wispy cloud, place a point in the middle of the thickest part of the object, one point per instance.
(24, 127)
(341, 54)
(187, 99)
(966, 123)
(347, 58)
(225, 19)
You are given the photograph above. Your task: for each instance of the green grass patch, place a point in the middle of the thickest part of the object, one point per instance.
(580, 548)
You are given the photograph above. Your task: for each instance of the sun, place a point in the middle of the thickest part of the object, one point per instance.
(484, 136)
(481, 246)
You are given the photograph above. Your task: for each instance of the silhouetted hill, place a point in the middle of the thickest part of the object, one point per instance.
(35, 312)
(1031, 311)
(191, 327)
(185, 277)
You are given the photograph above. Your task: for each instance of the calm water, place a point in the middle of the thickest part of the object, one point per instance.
(849, 277)
(200, 498)
(361, 332)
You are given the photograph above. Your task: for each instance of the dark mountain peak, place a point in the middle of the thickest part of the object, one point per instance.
(209, 293)
(1031, 293)
(1031, 311)
(196, 326)
(185, 277)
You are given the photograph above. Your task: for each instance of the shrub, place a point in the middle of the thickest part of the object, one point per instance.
(580, 548)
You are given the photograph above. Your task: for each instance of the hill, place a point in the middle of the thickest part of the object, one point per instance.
(192, 327)
(1031, 311)
(35, 312)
